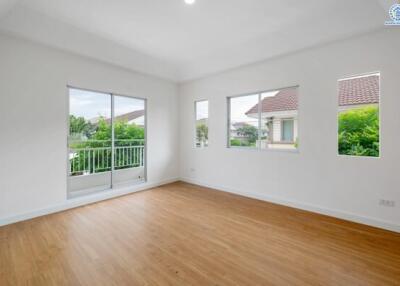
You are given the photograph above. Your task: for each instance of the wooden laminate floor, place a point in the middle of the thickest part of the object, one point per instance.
(180, 234)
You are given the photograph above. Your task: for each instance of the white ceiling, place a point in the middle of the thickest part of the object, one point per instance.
(172, 40)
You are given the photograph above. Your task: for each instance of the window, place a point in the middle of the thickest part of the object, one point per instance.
(287, 130)
(243, 129)
(358, 116)
(106, 142)
(201, 110)
(266, 120)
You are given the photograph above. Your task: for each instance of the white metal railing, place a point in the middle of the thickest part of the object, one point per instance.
(91, 160)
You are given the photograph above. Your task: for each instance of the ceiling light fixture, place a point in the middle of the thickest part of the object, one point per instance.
(190, 2)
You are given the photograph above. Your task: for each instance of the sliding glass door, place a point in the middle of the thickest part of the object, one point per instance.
(129, 138)
(106, 142)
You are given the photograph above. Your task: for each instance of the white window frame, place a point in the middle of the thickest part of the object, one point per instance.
(112, 96)
(258, 148)
(349, 77)
(195, 123)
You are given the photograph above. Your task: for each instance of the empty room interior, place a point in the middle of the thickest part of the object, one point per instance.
(199, 142)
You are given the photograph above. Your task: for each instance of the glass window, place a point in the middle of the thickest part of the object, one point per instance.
(358, 116)
(266, 120)
(243, 121)
(287, 130)
(89, 142)
(201, 110)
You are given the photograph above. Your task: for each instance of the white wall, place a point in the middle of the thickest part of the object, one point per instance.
(33, 123)
(316, 178)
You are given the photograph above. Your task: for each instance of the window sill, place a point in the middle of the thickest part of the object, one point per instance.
(255, 149)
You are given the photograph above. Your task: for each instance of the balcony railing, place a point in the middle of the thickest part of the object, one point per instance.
(90, 160)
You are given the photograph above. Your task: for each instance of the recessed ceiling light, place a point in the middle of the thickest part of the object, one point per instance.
(190, 2)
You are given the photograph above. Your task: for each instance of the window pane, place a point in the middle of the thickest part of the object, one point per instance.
(243, 121)
(201, 108)
(287, 130)
(89, 141)
(129, 139)
(279, 123)
(358, 116)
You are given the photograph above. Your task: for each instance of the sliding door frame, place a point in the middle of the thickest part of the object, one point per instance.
(112, 97)
(145, 128)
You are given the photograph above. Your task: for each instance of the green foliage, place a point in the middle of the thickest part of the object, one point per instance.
(103, 130)
(359, 132)
(78, 125)
(242, 143)
(296, 143)
(249, 132)
(236, 142)
(201, 133)
(122, 131)
(99, 136)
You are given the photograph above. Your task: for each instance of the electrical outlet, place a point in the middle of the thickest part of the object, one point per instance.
(387, 203)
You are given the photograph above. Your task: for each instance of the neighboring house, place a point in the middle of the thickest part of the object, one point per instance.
(280, 112)
(136, 117)
(279, 118)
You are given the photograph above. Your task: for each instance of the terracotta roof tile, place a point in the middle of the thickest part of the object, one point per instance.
(362, 90)
(354, 91)
(285, 99)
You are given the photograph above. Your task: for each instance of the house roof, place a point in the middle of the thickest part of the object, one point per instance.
(125, 117)
(361, 90)
(354, 91)
(284, 100)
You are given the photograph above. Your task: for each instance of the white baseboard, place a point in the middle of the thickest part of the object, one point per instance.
(80, 201)
(76, 202)
(304, 206)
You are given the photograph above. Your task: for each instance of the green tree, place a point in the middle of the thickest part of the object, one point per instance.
(249, 132)
(125, 131)
(125, 135)
(359, 132)
(202, 133)
(78, 125)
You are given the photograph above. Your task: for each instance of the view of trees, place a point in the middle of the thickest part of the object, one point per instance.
(249, 134)
(87, 136)
(201, 134)
(79, 126)
(359, 132)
